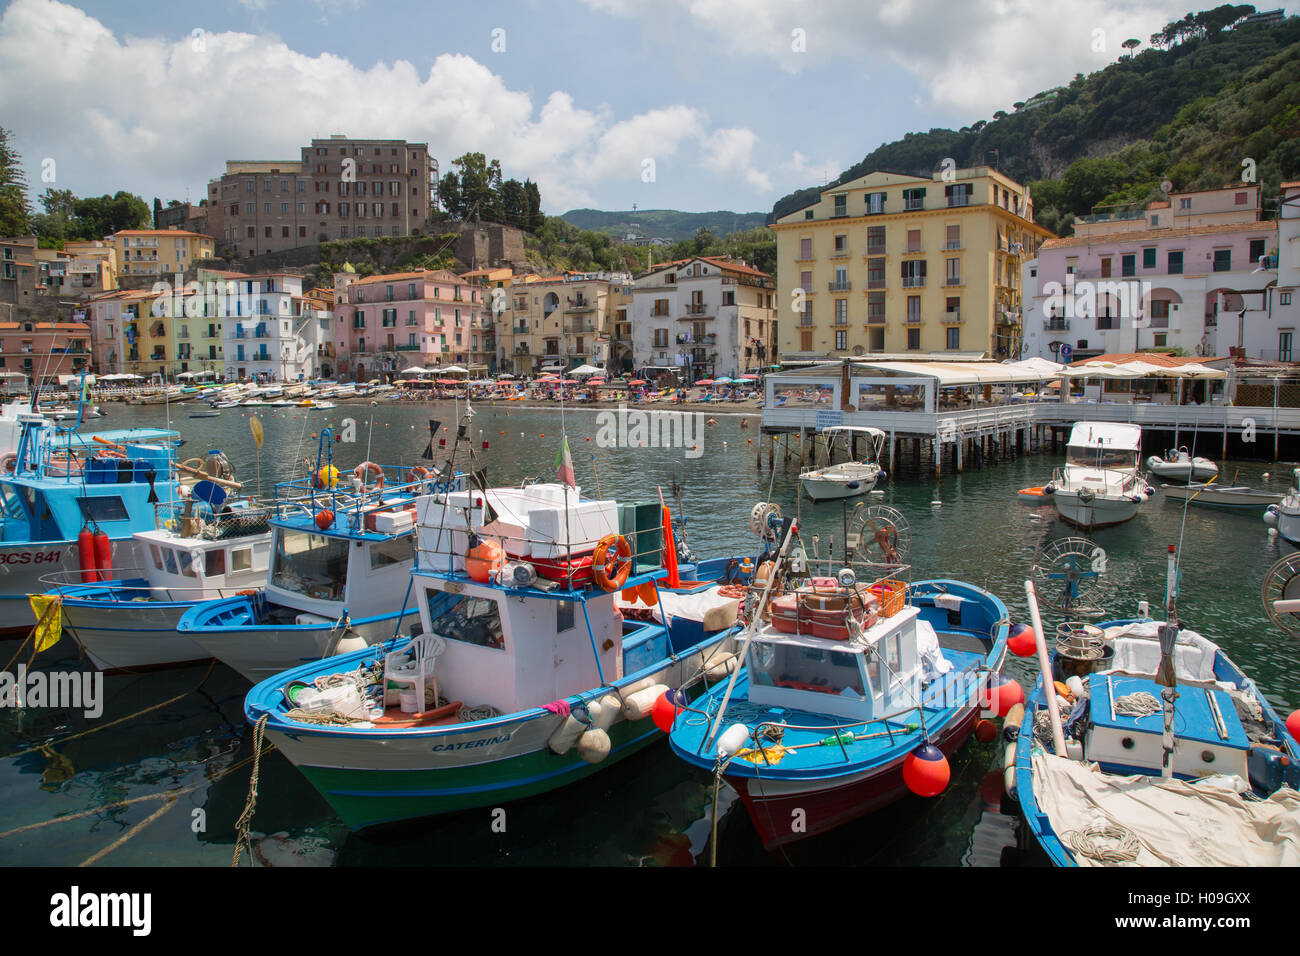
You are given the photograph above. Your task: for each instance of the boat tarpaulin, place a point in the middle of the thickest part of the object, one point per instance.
(1205, 822)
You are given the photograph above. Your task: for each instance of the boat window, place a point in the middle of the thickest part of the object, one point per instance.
(563, 616)
(214, 563)
(12, 503)
(1101, 457)
(157, 556)
(385, 553)
(169, 561)
(186, 561)
(471, 620)
(240, 559)
(806, 668)
(311, 564)
(103, 508)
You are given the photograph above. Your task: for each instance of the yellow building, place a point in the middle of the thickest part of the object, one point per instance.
(159, 252)
(564, 320)
(897, 264)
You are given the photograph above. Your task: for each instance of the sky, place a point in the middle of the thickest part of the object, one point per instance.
(695, 105)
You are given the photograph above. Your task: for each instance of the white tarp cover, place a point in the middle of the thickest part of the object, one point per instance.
(1177, 822)
(708, 607)
(953, 373)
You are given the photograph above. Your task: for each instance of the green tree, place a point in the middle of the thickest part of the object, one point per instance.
(100, 216)
(57, 222)
(15, 213)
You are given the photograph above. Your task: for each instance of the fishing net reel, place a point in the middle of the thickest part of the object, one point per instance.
(1281, 593)
(879, 534)
(1070, 575)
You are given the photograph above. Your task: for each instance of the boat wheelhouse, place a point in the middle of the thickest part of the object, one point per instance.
(1101, 483)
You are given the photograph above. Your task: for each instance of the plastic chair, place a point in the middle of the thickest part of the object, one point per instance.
(415, 664)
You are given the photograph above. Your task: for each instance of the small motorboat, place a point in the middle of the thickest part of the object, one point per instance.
(1179, 465)
(213, 413)
(1285, 514)
(848, 478)
(1203, 493)
(1100, 484)
(1041, 495)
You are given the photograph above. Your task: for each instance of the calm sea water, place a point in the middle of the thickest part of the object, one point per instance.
(650, 809)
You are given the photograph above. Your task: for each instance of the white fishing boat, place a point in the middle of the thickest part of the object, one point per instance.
(847, 479)
(1101, 483)
(1212, 495)
(1285, 515)
(1178, 465)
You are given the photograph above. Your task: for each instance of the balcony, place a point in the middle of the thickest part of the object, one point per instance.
(580, 305)
(875, 284)
(695, 308)
(952, 318)
(839, 287)
(1056, 325)
(913, 205)
(914, 251)
(912, 320)
(952, 281)
(406, 348)
(913, 282)
(875, 250)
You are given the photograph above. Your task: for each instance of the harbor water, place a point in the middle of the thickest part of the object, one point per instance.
(182, 768)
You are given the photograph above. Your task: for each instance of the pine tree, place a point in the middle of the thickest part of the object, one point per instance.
(15, 213)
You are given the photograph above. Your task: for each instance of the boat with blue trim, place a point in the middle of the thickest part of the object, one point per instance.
(341, 556)
(512, 684)
(1144, 744)
(829, 720)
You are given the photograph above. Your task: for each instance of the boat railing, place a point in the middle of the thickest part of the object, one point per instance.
(67, 584)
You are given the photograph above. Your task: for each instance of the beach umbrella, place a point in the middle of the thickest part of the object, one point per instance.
(705, 381)
(637, 381)
(586, 370)
(749, 378)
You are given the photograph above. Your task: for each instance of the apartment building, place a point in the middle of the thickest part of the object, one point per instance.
(268, 331)
(81, 269)
(42, 351)
(340, 188)
(1197, 273)
(159, 253)
(387, 323)
(708, 316)
(19, 285)
(120, 331)
(898, 264)
(561, 321)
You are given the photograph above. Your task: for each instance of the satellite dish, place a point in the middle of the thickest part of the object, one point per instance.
(1166, 187)
(210, 492)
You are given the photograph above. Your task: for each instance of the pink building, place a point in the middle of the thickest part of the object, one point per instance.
(384, 324)
(1204, 288)
(42, 351)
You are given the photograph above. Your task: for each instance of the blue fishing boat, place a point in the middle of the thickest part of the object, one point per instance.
(1144, 744)
(58, 486)
(846, 701)
(512, 683)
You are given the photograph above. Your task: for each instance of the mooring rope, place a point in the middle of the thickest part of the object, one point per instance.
(244, 824)
(1138, 704)
(1123, 844)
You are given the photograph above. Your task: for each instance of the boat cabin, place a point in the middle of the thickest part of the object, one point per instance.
(1104, 445)
(861, 680)
(201, 569)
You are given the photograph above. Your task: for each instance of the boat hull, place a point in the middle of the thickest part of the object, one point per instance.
(261, 651)
(127, 636)
(372, 776)
(1099, 512)
(24, 564)
(825, 489)
(784, 811)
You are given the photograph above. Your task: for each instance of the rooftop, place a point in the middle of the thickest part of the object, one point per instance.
(1262, 225)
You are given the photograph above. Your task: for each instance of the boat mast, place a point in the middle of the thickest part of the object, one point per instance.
(1167, 675)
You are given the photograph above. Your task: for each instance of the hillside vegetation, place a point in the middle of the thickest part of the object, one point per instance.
(662, 223)
(1190, 108)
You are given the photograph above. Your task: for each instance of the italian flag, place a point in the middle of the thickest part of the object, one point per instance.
(564, 465)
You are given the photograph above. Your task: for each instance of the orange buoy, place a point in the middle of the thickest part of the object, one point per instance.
(925, 771)
(484, 559)
(103, 556)
(86, 556)
(985, 731)
(1022, 641)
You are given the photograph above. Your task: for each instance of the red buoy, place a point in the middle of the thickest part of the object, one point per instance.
(925, 771)
(324, 518)
(86, 556)
(1003, 694)
(1021, 641)
(1293, 724)
(985, 731)
(103, 556)
(666, 709)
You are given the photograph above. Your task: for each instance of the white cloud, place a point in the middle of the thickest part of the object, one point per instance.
(802, 170)
(975, 57)
(159, 115)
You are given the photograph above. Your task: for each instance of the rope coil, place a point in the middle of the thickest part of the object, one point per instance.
(1104, 842)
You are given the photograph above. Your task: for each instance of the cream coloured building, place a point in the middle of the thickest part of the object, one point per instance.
(896, 264)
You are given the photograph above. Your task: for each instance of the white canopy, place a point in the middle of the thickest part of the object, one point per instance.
(72, 379)
(954, 373)
(454, 370)
(416, 370)
(587, 370)
(1044, 367)
(119, 377)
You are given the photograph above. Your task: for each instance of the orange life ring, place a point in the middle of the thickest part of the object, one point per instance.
(369, 467)
(611, 570)
(419, 473)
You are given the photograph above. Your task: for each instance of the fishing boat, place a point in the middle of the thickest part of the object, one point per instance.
(848, 478)
(1216, 496)
(340, 562)
(1144, 744)
(511, 684)
(71, 503)
(205, 553)
(1178, 465)
(1100, 484)
(1285, 515)
(854, 689)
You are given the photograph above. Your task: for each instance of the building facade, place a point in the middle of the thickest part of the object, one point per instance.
(340, 188)
(891, 263)
(19, 284)
(561, 321)
(159, 253)
(710, 317)
(42, 351)
(1197, 275)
